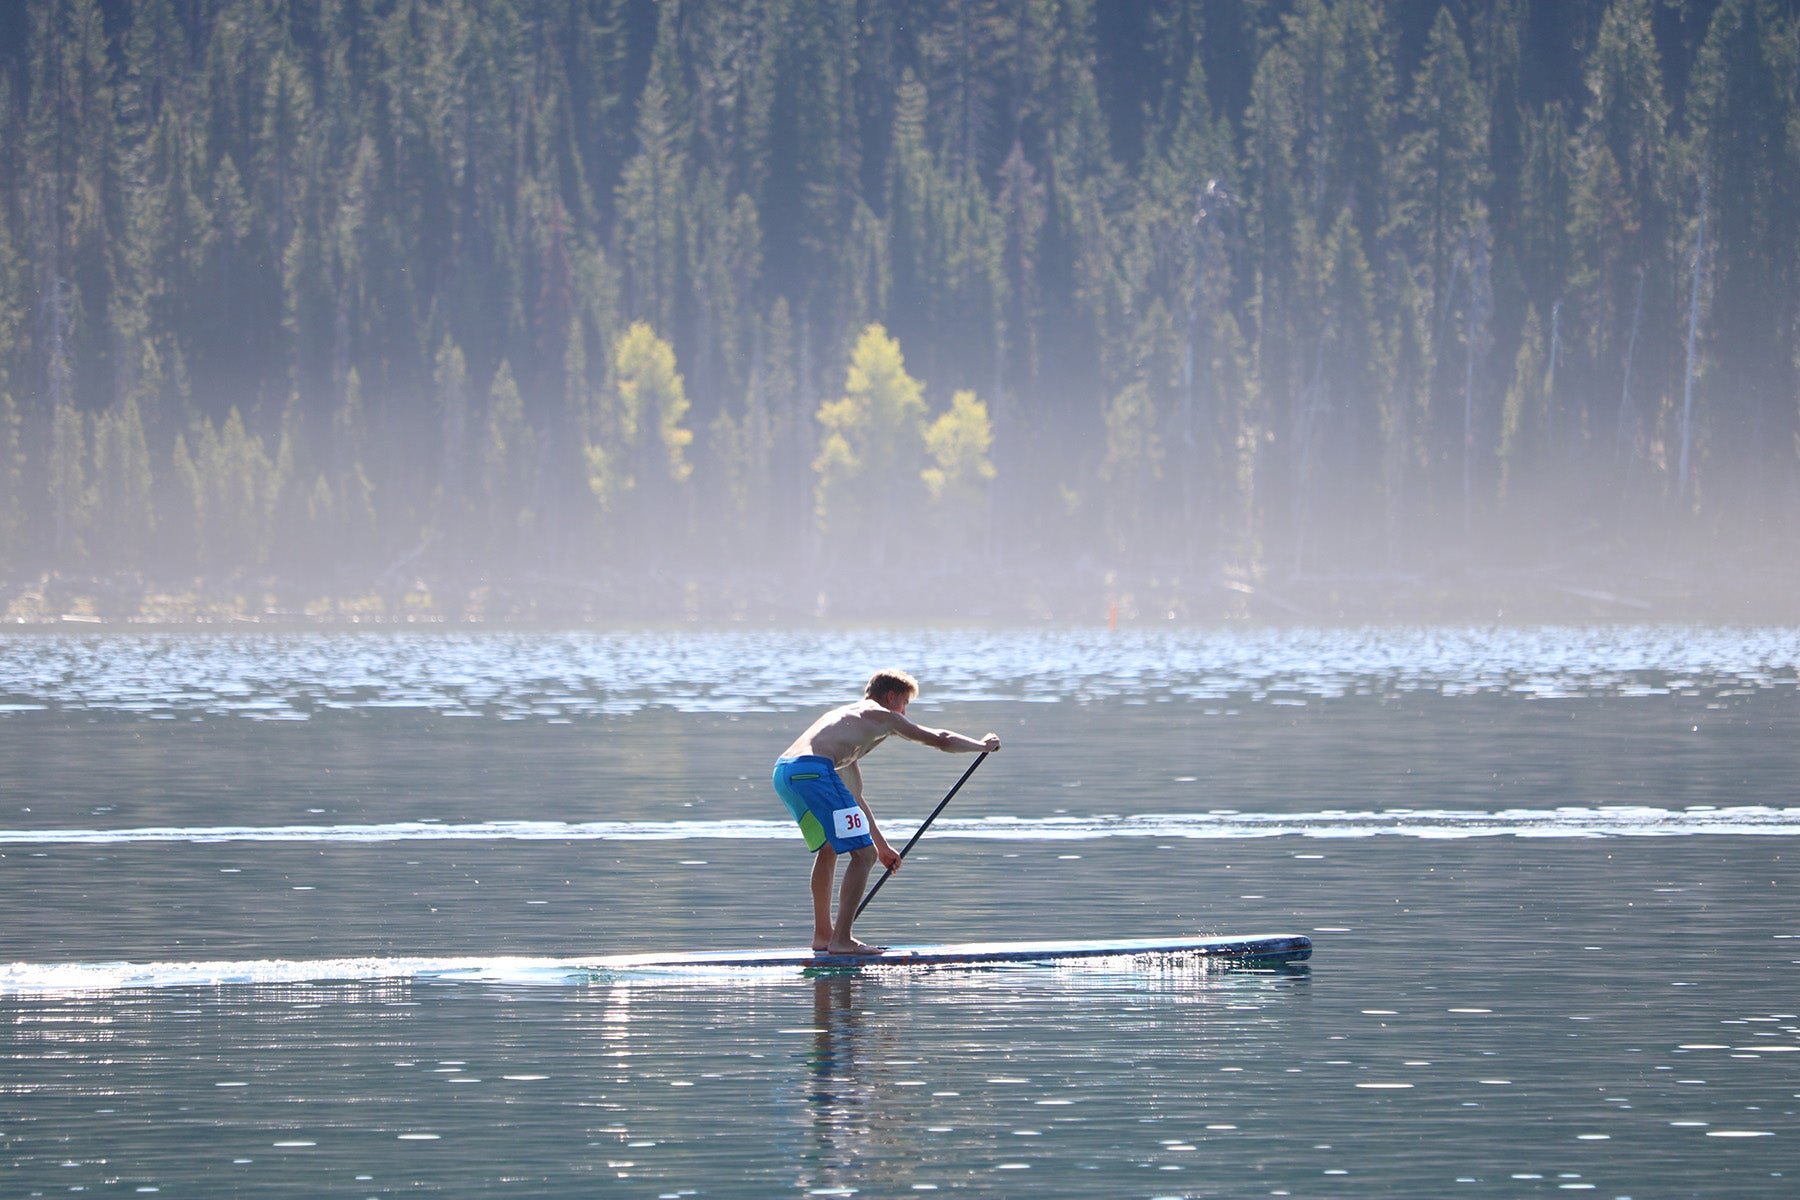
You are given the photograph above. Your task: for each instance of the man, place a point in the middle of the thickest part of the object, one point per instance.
(820, 782)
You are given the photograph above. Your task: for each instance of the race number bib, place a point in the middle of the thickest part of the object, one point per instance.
(851, 823)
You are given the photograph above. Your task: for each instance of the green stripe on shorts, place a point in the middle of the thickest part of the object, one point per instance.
(813, 831)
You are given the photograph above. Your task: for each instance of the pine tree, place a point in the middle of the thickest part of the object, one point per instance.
(451, 509)
(353, 526)
(1278, 225)
(1541, 230)
(1190, 221)
(1523, 415)
(1340, 452)
(508, 454)
(1444, 156)
(649, 204)
(1743, 108)
(1131, 468)
(814, 165)
(69, 494)
(726, 247)
(1443, 179)
(13, 507)
(787, 450)
(1622, 231)
(124, 517)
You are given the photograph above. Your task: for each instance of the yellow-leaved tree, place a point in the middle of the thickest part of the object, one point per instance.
(641, 436)
(873, 447)
(958, 443)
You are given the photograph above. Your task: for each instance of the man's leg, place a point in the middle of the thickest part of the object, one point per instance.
(856, 875)
(824, 867)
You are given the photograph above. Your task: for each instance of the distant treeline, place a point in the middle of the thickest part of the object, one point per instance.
(338, 293)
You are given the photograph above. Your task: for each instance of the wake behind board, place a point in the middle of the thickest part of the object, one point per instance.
(1263, 947)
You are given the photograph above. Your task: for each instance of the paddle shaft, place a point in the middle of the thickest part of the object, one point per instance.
(921, 829)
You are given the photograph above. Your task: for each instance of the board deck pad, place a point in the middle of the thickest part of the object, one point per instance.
(1276, 947)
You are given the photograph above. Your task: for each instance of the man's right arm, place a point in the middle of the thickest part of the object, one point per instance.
(947, 740)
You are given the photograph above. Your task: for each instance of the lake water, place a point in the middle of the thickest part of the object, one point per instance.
(302, 915)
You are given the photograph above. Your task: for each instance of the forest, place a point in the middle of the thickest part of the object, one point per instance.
(766, 309)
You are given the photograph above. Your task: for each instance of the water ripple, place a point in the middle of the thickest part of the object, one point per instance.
(536, 675)
(1610, 821)
(76, 977)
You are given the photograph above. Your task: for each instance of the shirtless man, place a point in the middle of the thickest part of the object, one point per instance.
(818, 779)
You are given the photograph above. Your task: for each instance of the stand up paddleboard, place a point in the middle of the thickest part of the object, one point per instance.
(1259, 948)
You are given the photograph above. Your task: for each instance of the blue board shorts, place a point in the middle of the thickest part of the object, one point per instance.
(809, 785)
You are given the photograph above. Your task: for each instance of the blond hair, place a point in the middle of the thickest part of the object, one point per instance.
(886, 683)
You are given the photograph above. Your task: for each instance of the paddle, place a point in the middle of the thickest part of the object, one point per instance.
(922, 828)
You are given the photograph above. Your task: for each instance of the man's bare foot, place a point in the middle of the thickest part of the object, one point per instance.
(853, 947)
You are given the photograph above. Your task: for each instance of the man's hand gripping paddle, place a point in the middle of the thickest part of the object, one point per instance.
(922, 828)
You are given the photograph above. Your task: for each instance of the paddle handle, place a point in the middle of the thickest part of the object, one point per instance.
(926, 824)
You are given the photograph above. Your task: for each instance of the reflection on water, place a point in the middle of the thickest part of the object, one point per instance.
(843, 1106)
(972, 1081)
(542, 676)
(885, 1086)
(1547, 873)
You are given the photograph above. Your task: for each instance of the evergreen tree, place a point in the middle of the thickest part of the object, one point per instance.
(508, 454)
(71, 500)
(124, 517)
(814, 163)
(451, 516)
(13, 502)
(1444, 157)
(234, 487)
(726, 247)
(1443, 171)
(1523, 416)
(1345, 413)
(1278, 224)
(1189, 226)
(1621, 231)
(1542, 227)
(1744, 111)
(352, 524)
(1021, 204)
(787, 451)
(649, 204)
(1131, 469)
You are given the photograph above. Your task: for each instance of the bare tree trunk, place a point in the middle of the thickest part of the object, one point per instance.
(1687, 388)
(1306, 427)
(1473, 350)
(1623, 424)
(1468, 447)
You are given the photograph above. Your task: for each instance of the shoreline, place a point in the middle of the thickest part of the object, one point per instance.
(1095, 597)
